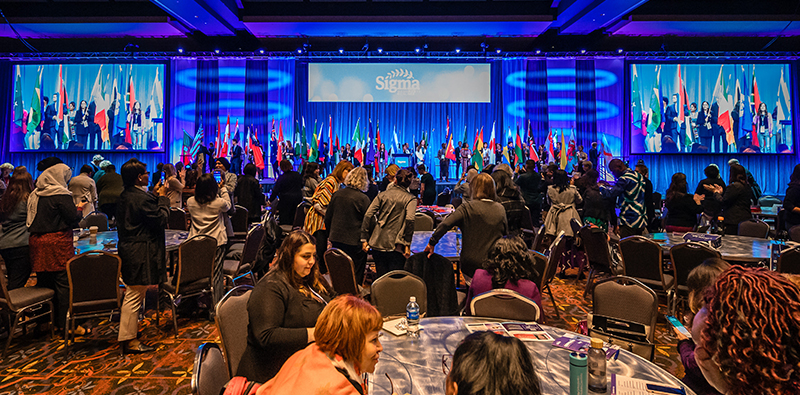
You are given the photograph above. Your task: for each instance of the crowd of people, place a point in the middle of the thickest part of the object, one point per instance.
(295, 316)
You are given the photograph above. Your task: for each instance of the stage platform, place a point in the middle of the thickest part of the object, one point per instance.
(267, 183)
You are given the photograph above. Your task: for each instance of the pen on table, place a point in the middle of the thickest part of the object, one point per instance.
(616, 356)
(660, 389)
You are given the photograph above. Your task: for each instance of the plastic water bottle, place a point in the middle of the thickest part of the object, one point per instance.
(412, 317)
(597, 367)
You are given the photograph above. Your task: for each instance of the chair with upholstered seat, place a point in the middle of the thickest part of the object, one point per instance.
(643, 260)
(627, 299)
(754, 228)
(236, 269)
(177, 219)
(193, 275)
(506, 304)
(95, 218)
(94, 295)
(24, 305)
(209, 375)
(789, 261)
(232, 320)
(240, 220)
(300, 215)
(527, 228)
(390, 293)
(595, 246)
(423, 222)
(342, 272)
(557, 250)
(538, 241)
(685, 257)
(443, 198)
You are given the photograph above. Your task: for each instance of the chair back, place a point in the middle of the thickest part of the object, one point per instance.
(767, 201)
(6, 304)
(595, 245)
(642, 258)
(576, 226)
(195, 260)
(95, 218)
(687, 256)
(526, 223)
(177, 219)
(342, 272)
(794, 233)
(443, 198)
(209, 376)
(506, 304)
(300, 214)
(754, 228)
(538, 241)
(240, 219)
(780, 224)
(540, 265)
(456, 201)
(390, 292)
(251, 245)
(557, 249)
(628, 299)
(789, 261)
(94, 282)
(423, 221)
(232, 320)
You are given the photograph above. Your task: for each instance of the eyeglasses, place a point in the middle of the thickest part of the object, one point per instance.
(447, 363)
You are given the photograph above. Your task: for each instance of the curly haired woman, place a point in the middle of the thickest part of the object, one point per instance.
(749, 334)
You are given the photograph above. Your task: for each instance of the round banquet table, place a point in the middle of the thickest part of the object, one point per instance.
(415, 365)
(107, 241)
(449, 246)
(734, 248)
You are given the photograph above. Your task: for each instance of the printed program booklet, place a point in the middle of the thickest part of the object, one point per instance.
(580, 343)
(527, 331)
(622, 385)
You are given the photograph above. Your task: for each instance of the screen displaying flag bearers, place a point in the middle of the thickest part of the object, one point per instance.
(399, 82)
(711, 108)
(93, 107)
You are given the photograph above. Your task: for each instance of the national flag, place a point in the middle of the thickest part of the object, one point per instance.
(477, 151)
(35, 113)
(337, 143)
(724, 119)
(783, 103)
(492, 154)
(121, 114)
(313, 153)
(638, 114)
(63, 107)
(131, 102)
(303, 141)
(222, 147)
(19, 106)
(746, 120)
(358, 142)
(330, 138)
(683, 102)
(378, 144)
(654, 115)
(258, 155)
(518, 150)
(280, 140)
(606, 155)
(563, 153)
(101, 104)
(370, 148)
(551, 152)
(506, 154)
(397, 142)
(197, 142)
(532, 155)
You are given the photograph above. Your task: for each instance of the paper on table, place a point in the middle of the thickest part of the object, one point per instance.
(396, 326)
(623, 385)
(527, 331)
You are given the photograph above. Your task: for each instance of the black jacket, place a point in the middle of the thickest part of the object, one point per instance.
(682, 211)
(345, 215)
(141, 220)
(249, 195)
(735, 203)
(54, 214)
(288, 189)
(439, 277)
(711, 206)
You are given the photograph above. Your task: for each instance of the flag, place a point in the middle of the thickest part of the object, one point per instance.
(654, 116)
(19, 106)
(63, 107)
(518, 150)
(222, 146)
(378, 144)
(532, 155)
(197, 142)
(563, 153)
(477, 151)
(746, 120)
(721, 98)
(397, 142)
(314, 151)
(131, 101)
(280, 140)
(606, 155)
(98, 97)
(783, 103)
(303, 142)
(683, 102)
(551, 152)
(258, 155)
(358, 141)
(330, 137)
(492, 156)
(121, 114)
(35, 113)
(370, 153)
(638, 114)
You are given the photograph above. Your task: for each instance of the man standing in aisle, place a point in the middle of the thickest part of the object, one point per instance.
(236, 157)
(444, 163)
(594, 155)
(629, 194)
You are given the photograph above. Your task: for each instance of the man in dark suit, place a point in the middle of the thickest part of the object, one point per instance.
(594, 155)
(717, 132)
(50, 119)
(671, 119)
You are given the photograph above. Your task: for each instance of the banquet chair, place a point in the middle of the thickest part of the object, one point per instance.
(506, 304)
(93, 295)
(538, 241)
(236, 269)
(527, 228)
(193, 275)
(685, 257)
(177, 219)
(780, 225)
(643, 260)
(209, 375)
(443, 198)
(95, 218)
(300, 214)
(232, 320)
(342, 272)
(24, 305)
(557, 249)
(789, 261)
(627, 299)
(754, 228)
(423, 222)
(456, 201)
(390, 293)
(794, 233)
(595, 246)
(240, 220)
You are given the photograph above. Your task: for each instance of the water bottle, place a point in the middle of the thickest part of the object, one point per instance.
(597, 367)
(577, 374)
(412, 317)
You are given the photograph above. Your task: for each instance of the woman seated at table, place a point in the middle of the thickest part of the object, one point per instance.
(735, 199)
(682, 208)
(346, 346)
(487, 363)
(482, 222)
(283, 308)
(747, 335)
(563, 199)
(509, 266)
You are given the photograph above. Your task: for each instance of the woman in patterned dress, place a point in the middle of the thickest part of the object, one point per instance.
(315, 218)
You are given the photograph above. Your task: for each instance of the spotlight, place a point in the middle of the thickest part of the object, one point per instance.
(180, 50)
(458, 50)
(261, 51)
(380, 50)
(538, 51)
(619, 50)
(417, 50)
(341, 50)
(498, 50)
(216, 51)
(299, 50)
(583, 51)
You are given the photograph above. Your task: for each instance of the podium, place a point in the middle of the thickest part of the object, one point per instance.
(402, 160)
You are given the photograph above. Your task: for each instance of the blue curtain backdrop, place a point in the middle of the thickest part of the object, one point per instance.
(207, 98)
(585, 103)
(536, 98)
(256, 94)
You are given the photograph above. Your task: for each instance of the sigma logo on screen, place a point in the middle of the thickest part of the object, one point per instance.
(400, 81)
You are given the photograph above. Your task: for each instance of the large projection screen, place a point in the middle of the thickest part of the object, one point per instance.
(399, 82)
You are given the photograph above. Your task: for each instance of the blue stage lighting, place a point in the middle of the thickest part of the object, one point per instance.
(261, 51)
(619, 50)
(380, 50)
(417, 50)
(498, 50)
(299, 50)
(538, 51)
(458, 50)
(341, 50)
(216, 51)
(583, 51)
(180, 50)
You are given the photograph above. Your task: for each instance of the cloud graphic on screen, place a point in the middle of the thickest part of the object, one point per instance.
(352, 89)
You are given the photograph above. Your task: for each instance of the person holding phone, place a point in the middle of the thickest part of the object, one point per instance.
(171, 186)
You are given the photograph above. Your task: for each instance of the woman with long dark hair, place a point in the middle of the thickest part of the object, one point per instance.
(735, 200)
(764, 128)
(509, 195)
(283, 308)
(311, 179)
(682, 208)
(791, 203)
(563, 199)
(14, 237)
(705, 126)
(711, 207)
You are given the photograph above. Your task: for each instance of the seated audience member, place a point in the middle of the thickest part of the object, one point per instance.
(510, 197)
(792, 201)
(563, 199)
(682, 208)
(346, 346)
(509, 266)
(482, 222)
(345, 214)
(487, 363)
(390, 238)
(747, 335)
(711, 207)
(283, 309)
(5, 176)
(287, 193)
(700, 279)
(14, 235)
(248, 193)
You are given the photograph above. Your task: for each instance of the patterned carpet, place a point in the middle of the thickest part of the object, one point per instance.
(37, 365)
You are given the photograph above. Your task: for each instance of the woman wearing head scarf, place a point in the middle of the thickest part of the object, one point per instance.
(51, 217)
